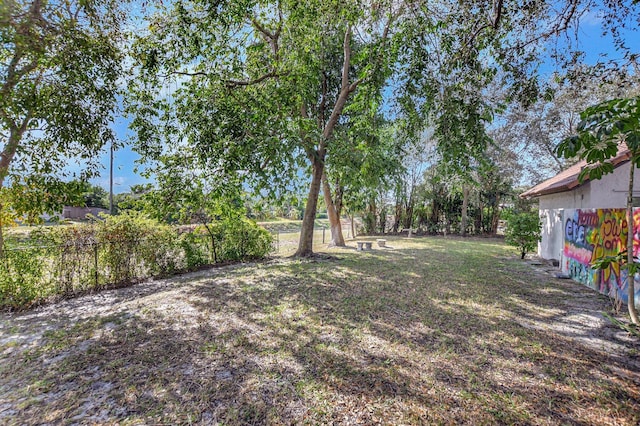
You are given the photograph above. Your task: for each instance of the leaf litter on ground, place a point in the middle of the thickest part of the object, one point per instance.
(432, 331)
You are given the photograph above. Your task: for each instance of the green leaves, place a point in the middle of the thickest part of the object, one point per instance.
(60, 64)
(523, 231)
(246, 89)
(601, 129)
(619, 259)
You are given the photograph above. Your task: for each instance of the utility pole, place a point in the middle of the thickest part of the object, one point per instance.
(111, 180)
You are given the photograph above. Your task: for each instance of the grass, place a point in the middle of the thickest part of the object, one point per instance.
(428, 331)
(290, 226)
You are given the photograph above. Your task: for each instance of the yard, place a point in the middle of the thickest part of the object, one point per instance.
(426, 331)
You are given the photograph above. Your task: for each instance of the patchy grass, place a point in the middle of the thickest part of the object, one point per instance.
(290, 226)
(286, 234)
(427, 331)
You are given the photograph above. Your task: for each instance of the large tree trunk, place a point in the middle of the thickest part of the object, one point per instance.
(337, 239)
(465, 206)
(305, 245)
(631, 303)
(408, 218)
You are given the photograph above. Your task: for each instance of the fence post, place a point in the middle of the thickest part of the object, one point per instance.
(213, 248)
(95, 261)
(323, 235)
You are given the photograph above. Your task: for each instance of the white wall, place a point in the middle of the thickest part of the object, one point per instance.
(608, 192)
(552, 243)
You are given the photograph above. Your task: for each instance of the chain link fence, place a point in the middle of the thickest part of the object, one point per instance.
(32, 270)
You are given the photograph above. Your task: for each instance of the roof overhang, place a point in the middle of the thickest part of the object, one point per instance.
(567, 180)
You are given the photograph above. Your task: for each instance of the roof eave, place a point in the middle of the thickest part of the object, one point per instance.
(573, 184)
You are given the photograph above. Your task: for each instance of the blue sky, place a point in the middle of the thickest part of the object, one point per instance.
(124, 162)
(590, 41)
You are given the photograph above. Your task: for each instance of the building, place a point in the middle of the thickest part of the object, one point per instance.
(69, 212)
(584, 221)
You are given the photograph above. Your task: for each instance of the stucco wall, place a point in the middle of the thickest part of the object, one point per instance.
(566, 200)
(591, 234)
(552, 242)
(610, 192)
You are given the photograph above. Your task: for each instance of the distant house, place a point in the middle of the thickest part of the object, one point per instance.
(69, 212)
(584, 221)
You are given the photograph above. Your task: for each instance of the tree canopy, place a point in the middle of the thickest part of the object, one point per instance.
(60, 64)
(258, 88)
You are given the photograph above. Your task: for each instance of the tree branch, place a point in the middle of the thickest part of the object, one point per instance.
(9, 151)
(189, 74)
(258, 26)
(497, 14)
(345, 90)
(236, 83)
(347, 58)
(561, 24)
(353, 86)
(271, 38)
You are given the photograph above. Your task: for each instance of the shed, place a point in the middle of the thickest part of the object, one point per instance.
(585, 221)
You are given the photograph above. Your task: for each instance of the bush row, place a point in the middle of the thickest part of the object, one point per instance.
(67, 260)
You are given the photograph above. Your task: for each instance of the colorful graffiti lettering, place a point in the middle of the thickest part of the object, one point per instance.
(583, 273)
(609, 239)
(636, 232)
(593, 234)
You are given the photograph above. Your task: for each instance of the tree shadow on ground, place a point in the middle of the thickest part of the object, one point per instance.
(433, 333)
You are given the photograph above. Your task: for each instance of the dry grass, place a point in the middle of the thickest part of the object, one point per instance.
(429, 331)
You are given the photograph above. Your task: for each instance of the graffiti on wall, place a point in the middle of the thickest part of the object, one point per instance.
(590, 234)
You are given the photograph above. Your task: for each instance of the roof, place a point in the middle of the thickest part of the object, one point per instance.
(568, 179)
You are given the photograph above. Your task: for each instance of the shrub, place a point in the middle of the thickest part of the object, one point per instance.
(195, 251)
(240, 239)
(22, 276)
(120, 241)
(119, 249)
(523, 231)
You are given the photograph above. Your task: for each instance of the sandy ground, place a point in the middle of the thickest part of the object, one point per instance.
(29, 336)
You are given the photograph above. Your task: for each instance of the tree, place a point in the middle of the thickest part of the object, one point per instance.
(523, 231)
(452, 73)
(96, 196)
(261, 86)
(602, 129)
(527, 137)
(131, 200)
(367, 162)
(59, 71)
(186, 194)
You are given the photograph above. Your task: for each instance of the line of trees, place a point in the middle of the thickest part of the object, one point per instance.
(427, 112)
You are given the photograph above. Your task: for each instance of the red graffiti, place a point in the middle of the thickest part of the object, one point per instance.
(611, 231)
(589, 219)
